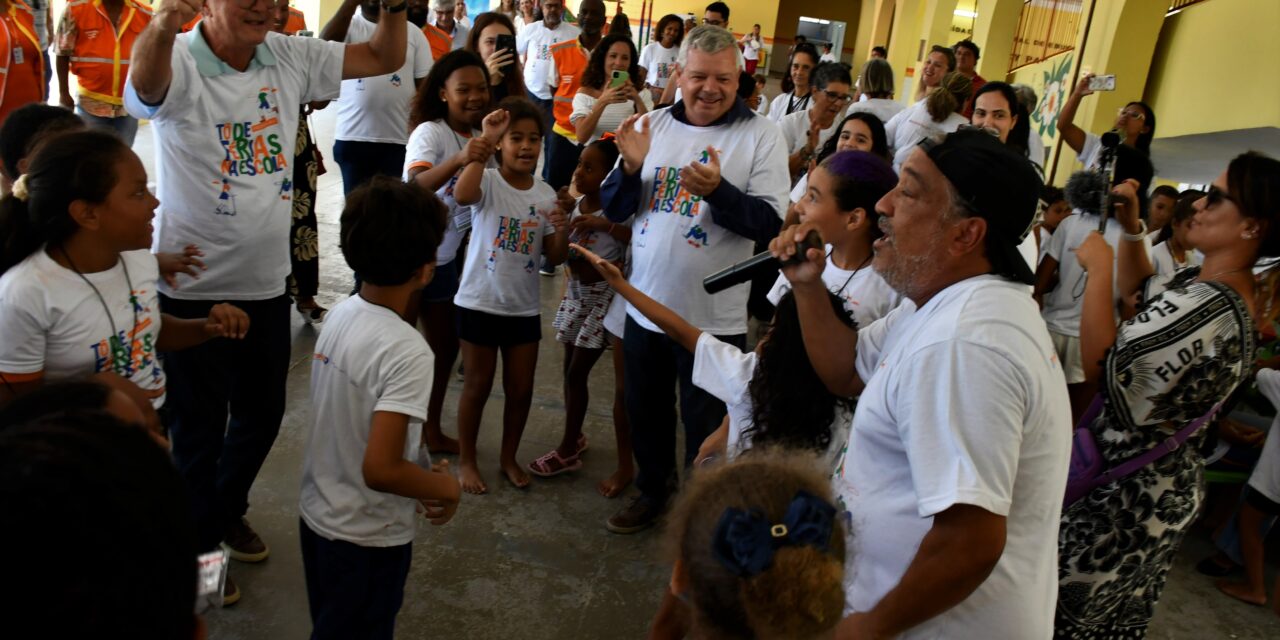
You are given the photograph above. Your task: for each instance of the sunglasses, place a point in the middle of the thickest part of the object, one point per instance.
(1217, 196)
(1132, 115)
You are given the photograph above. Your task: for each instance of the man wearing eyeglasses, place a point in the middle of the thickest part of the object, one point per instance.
(716, 15)
(806, 131)
(223, 100)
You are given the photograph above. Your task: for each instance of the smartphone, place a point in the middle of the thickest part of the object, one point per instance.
(508, 42)
(619, 78)
(307, 33)
(1103, 83)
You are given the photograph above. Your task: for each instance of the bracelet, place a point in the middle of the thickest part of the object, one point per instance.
(1139, 236)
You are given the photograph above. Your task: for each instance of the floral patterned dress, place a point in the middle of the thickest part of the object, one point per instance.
(1186, 349)
(304, 237)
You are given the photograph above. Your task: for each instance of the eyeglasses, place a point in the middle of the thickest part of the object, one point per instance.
(1217, 196)
(1132, 115)
(838, 98)
(271, 4)
(714, 23)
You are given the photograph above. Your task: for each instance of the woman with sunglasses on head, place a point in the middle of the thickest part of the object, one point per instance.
(1188, 348)
(1136, 123)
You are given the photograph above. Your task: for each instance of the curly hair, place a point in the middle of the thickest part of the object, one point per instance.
(790, 405)
(427, 105)
(594, 76)
(662, 26)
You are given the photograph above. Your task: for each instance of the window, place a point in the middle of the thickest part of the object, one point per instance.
(1045, 29)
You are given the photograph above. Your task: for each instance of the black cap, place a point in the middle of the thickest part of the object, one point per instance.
(998, 185)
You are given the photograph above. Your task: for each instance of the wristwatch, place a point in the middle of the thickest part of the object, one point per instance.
(404, 4)
(1139, 236)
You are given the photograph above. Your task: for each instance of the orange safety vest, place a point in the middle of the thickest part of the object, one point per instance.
(25, 22)
(297, 21)
(441, 42)
(101, 56)
(571, 61)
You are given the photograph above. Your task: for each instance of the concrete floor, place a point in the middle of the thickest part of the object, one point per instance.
(536, 563)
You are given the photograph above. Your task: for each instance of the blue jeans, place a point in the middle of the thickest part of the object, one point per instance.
(654, 364)
(125, 127)
(240, 379)
(353, 591)
(360, 161)
(548, 121)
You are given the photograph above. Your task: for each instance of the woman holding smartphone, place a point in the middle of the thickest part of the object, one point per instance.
(1135, 122)
(612, 90)
(494, 39)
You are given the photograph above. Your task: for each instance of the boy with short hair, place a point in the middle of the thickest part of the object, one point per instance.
(370, 379)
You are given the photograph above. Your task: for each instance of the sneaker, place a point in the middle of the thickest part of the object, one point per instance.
(243, 542)
(547, 271)
(640, 514)
(230, 592)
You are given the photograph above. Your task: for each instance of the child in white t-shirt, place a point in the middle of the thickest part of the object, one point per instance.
(840, 199)
(370, 377)
(579, 322)
(516, 220)
(78, 292)
(1174, 251)
(445, 137)
(773, 395)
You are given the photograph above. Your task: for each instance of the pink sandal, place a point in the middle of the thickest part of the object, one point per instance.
(582, 444)
(552, 464)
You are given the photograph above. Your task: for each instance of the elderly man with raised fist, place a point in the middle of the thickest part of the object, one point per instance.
(223, 100)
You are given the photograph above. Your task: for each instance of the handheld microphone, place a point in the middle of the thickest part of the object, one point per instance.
(1107, 167)
(759, 264)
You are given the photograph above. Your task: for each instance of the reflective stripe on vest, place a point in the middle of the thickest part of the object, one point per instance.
(10, 45)
(91, 55)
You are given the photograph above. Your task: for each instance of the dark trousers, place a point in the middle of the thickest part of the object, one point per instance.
(220, 458)
(548, 121)
(654, 364)
(353, 591)
(360, 161)
(562, 161)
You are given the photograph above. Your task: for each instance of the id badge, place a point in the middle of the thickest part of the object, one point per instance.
(211, 577)
(462, 220)
(18, 58)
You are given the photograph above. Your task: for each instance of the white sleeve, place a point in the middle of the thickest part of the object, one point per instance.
(646, 60)
(185, 89)
(24, 331)
(647, 99)
(522, 40)
(1090, 150)
(553, 75)
(770, 176)
(963, 446)
(422, 60)
(778, 108)
(722, 369)
(891, 130)
(780, 288)
(424, 149)
(582, 106)
(1058, 239)
(405, 383)
(871, 340)
(322, 62)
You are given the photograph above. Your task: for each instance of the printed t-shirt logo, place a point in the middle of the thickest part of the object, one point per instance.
(670, 196)
(129, 351)
(517, 235)
(252, 149)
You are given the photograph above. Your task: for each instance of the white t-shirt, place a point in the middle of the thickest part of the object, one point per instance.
(778, 108)
(534, 41)
(659, 62)
(377, 109)
(367, 359)
(52, 322)
(725, 372)
(925, 439)
(610, 118)
(500, 275)
(1266, 474)
(1090, 151)
(675, 243)
(882, 108)
(867, 297)
(600, 243)
(795, 130)
(1063, 304)
(1164, 262)
(913, 124)
(828, 57)
(1035, 147)
(224, 159)
(430, 144)
(751, 49)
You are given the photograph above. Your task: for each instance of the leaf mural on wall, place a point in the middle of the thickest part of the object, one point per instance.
(1052, 94)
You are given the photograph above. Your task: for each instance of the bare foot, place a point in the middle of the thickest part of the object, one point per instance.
(1241, 591)
(439, 443)
(614, 485)
(515, 475)
(471, 481)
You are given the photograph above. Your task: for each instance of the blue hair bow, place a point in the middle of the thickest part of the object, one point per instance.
(745, 541)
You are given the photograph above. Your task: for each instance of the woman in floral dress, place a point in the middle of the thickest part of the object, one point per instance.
(304, 237)
(1189, 346)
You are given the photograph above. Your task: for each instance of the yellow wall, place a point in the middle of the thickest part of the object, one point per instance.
(1212, 49)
